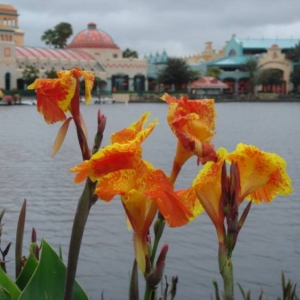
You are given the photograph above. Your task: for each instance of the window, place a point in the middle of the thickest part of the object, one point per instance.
(115, 55)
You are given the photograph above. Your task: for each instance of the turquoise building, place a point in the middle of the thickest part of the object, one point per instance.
(269, 53)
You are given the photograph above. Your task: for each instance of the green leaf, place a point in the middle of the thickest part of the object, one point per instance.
(4, 294)
(8, 287)
(48, 281)
(27, 272)
(19, 239)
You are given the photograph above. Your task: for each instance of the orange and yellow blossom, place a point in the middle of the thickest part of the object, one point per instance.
(193, 123)
(55, 96)
(262, 176)
(120, 170)
(118, 155)
(144, 190)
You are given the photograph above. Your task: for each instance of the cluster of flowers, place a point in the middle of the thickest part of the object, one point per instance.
(119, 168)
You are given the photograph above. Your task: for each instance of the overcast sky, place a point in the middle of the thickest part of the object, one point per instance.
(181, 27)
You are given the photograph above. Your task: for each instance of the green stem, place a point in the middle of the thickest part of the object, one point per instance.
(158, 229)
(226, 270)
(80, 219)
(148, 292)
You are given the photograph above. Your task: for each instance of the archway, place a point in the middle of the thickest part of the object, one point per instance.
(7, 81)
(244, 86)
(20, 84)
(139, 83)
(231, 83)
(152, 83)
(269, 87)
(120, 82)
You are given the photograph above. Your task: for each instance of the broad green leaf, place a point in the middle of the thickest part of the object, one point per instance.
(47, 282)
(27, 272)
(61, 136)
(4, 294)
(9, 286)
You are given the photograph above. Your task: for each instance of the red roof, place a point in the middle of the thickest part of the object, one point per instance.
(208, 82)
(92, 38)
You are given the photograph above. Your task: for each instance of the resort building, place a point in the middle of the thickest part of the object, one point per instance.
(91, 49)
(269, 53)
(95, 50)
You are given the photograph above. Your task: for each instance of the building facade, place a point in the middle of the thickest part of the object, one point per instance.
(94, 50)
(269, 54)
(91, 49)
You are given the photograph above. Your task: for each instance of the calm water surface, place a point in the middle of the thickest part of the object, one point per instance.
(268, 244)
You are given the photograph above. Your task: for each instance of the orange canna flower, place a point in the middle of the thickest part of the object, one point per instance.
(88, 78)
(120, 170)
(117, 156)
(193, 122)
(262, 176)
(54, 96)
(143, 191)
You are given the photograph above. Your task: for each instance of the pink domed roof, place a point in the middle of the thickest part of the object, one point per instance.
(92, 38)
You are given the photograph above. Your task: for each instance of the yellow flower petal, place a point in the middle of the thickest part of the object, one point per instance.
(263, 175)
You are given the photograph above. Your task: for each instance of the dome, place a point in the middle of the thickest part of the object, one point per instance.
(92, 38)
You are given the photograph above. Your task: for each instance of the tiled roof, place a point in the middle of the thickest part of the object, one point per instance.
(230, 61)
(208, 82)
(38, 52)
(92, 38)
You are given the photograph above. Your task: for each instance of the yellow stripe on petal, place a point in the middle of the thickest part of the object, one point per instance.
(207, 186)
(89, 83)
(141, 251)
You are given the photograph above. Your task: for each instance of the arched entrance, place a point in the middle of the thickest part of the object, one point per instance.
(278, 88)
(139, 83)
(244, 86)
(20, 84)
(152, 83)
(7, 81)
(120, 82)
(231, 83)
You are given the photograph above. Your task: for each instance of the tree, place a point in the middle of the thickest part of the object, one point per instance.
(269, 77)
(176, 72)
(51, 73)
(294, 53)
(295, 77)
(130, 53)
(58, 36)
(213, 71)
(30, 73)
(251, 66)
(194, 75)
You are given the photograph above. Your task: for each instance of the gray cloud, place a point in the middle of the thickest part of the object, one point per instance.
(179, 27)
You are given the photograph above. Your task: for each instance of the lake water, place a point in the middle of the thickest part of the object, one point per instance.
(268, 244)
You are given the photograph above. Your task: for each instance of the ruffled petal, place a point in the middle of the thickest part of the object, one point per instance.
(263, 175)
(54, 97)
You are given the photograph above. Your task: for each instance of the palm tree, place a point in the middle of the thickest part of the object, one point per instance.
(58, 36)
(213, 71)
(294, 53)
